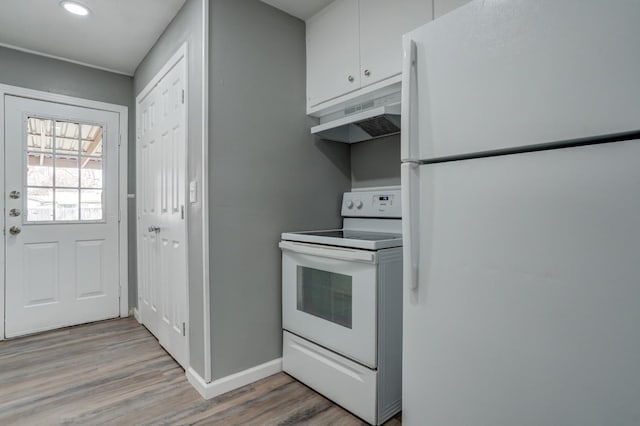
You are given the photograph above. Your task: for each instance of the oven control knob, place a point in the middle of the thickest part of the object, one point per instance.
(349, 204)
(359, 204)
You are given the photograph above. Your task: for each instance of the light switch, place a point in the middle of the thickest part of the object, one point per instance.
(193, 191)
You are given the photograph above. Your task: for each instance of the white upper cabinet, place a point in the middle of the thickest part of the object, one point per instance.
(382, 24)
(352, 44)
(333, 65)
(440, 7)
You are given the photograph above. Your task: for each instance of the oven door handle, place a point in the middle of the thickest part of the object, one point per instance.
(330, 252)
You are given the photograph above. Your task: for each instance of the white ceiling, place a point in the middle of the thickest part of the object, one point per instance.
(116, 35)
(303, 9)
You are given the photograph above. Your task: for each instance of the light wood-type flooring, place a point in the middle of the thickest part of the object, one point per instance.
(115, 373)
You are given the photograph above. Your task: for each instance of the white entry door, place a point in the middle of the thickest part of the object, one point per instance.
(61, 177)
(161, 167)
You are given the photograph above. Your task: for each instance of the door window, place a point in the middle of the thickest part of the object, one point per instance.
(326, 295)
(65, 171)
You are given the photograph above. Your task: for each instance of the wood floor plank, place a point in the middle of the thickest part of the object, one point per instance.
(115, 373)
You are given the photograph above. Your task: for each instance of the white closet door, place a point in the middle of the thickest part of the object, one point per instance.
(161, 168)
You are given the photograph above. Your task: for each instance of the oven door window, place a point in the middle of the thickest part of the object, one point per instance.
(326, 295)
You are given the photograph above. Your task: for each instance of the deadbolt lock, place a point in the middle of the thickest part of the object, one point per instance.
(14, 195)
(14, 212)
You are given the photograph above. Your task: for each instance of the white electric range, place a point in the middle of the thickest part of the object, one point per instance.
(342, 306)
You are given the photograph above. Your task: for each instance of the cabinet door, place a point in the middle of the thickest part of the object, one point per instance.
(332, 52)
(382, 24)
(440, 7)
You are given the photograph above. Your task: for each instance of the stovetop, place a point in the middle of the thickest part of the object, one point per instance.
(371, 221)
(354, 235)
(368, 240)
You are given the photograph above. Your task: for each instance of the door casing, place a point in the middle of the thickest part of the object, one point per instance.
(122, 111)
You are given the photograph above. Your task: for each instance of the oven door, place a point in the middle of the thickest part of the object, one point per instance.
(329, 297)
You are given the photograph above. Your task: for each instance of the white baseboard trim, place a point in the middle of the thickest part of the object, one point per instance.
(136, 315)
(234, 381)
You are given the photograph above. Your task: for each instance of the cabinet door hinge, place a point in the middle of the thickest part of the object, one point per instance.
(184, 329)
(183, 96)
(182, 212)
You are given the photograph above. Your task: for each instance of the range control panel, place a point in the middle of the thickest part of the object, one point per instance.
(384, 203)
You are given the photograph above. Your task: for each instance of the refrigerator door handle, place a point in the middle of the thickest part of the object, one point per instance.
(410, 223)
(408, 134)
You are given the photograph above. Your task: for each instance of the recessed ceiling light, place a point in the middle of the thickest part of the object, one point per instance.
(75, 8)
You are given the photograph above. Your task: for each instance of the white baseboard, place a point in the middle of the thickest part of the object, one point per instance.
(136, 315)
(234, 381)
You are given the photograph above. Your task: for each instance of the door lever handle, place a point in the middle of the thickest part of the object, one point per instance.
(154, 228)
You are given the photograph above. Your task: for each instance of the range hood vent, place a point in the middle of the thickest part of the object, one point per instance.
(379, 126)
(372, 117)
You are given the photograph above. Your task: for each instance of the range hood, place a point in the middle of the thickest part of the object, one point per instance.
(374, 115)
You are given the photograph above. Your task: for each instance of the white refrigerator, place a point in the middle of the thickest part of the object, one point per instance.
(521, 215)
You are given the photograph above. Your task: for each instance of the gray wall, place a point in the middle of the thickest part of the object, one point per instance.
(376, 162)
(187, 26)
(51, 75)
(267, 175)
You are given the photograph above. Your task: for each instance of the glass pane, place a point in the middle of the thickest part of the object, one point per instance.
(39, 204)
(67, 171)
(39, 169)
(91, 174)
(91, 204)
(326, 295)
(91, 139)
(39, 134)
(67, 204)
(67, 135)
(55, 163)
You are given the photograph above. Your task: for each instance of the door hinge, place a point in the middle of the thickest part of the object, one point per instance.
(120, 139)
(184, 329)
(182, 212)
(119, 215)
(183, 96)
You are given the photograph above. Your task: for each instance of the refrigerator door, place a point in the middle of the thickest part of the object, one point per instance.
(495, 75)
(526, 308)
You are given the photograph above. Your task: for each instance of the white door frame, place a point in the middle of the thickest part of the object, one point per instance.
(181, 53)
(122, 112)
(204, 193)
